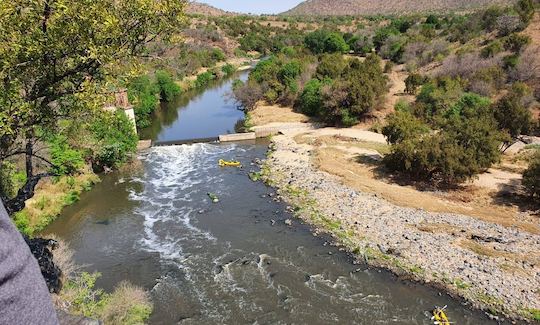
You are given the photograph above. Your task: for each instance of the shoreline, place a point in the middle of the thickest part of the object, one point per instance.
(387, 236)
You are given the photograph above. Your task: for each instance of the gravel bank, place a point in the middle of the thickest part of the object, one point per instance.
(493, 267)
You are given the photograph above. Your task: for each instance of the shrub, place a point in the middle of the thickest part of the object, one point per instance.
(393, 48)
(247, 94)
(464, 145)
(493, 48)
(142, 93)
(413, 81)
(114, 140)
(168, 89)
(204, 79)
(512, 113)
(127, 305)
(516, 42)
(323, 41)
(388, 66)
(382, 34)
(525, 10)
(310, 101)
(508, 24)
(228, 69)
(65, 159)
(218, 55)
(331, 66)
(531, 177)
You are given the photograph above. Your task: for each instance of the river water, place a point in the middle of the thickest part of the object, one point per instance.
(231, 262)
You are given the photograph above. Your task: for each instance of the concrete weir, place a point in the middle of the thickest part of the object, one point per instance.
(233, 137)
(237, 137)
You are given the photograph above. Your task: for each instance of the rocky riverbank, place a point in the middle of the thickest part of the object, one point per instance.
(493, 267)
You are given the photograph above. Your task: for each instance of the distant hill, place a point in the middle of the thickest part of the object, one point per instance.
(206, 10)
(369, 7)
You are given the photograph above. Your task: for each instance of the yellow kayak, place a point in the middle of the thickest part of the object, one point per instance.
(224, 163)
(439, 317)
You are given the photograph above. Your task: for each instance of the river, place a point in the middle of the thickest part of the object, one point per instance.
(231, 262)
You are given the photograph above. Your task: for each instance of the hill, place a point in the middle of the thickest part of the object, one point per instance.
(370, 7)
(197, 8)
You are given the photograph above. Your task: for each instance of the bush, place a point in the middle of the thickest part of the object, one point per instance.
(388, 66)
(204, 79)
(531, 177)
(142, 93)
(168, 89)
(323, 41)
(310, 101)
(512, 112)
(228, 69)
(413, 81)
(525, 10)
(331, 66)
(464, 145)
(65, 159)
(114, 140)
(516, 42)
(247, 94)
(493, 48)
(354, 94)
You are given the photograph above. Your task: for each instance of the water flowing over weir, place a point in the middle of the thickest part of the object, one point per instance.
(234, 262)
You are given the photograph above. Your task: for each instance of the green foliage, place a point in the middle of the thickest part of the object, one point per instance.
(402, 125)
(22, 222)
(126, 305)
(491, 49)
(413, 81)
(168, 89)
(11, 180)
(204, 79)
(142, 93)
(355, 93)
(525, 10)
(114, 140)
(65, 159)
(531, 177)
(324, 41)
(228, 69)
(511, 113)
(437, 97)
(516, 42)
(462, 142)
(382, 34)
(218, 55)
(310, 101)
(331, 66)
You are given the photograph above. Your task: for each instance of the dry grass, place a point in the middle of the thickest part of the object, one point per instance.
(128, 304)
(265, 114)
(371, 178)
(52, 195)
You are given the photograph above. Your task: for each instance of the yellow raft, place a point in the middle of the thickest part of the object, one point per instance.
(224, 163)
(439, 317)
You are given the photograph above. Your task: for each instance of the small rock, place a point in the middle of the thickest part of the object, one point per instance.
(288, 222)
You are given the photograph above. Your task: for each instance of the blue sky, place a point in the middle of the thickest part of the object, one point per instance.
(253, 6)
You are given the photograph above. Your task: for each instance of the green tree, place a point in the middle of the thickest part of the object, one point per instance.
(310, 101)
(54, 59)
(512, 114)
(168, 89)
(331, 66)
(531, 177)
